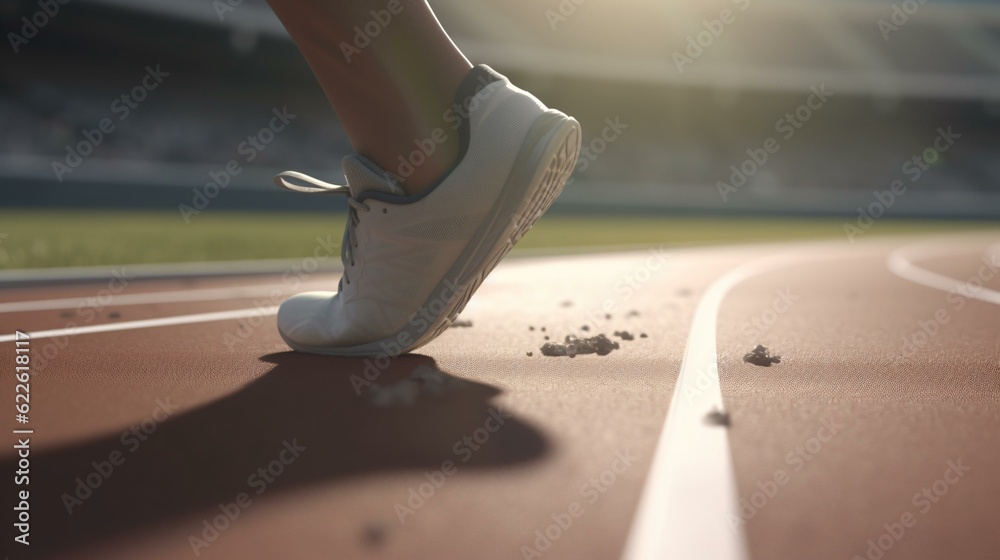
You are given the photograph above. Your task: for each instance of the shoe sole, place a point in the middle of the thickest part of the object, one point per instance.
(539, 173)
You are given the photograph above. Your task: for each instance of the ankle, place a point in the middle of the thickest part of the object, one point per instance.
(427, 161)
(425, 142)
(409, 127)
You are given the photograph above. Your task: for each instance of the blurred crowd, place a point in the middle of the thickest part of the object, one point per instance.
(858, 145)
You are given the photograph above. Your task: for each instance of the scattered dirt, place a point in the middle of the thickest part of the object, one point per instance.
(547, 337)
(643, 335)
(66, 314)
(761, 356)
(684, 292)
(607, 316)
(625, 335)
(717, 418)
(567, 303)
(632, 313)
(531, 327)
(530, 354)
(585, 328)
(114, 315)
(600, 345)
(543, 329)
(462, 323)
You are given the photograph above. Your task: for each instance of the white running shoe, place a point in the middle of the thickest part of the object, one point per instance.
(411, 263)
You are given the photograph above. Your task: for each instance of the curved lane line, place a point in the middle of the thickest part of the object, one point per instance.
(689, 507)
(690, 502)
(690, 494)
(900, 263)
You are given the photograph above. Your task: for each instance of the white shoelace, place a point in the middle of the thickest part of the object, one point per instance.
(315, 186)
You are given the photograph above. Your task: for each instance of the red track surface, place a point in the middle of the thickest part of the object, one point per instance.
(899, 417)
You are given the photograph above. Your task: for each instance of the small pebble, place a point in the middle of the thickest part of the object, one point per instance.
(600, 345)
(643, 335)
(624, 335)
(585, 328)
(531, 354)
(761, 356)
(717, 418)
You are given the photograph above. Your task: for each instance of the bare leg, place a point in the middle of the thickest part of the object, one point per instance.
(396, 89)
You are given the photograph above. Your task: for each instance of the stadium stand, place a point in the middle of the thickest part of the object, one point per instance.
(686, 122)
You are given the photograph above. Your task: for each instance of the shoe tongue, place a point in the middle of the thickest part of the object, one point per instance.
(363, 175)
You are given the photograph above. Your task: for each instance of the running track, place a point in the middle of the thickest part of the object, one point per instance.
(832, 447)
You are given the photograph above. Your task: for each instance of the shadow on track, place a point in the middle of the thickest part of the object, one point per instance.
(198, 459)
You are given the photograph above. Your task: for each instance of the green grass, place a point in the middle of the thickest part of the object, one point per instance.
(31, 238)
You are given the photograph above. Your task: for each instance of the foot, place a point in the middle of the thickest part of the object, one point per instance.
(411, 263)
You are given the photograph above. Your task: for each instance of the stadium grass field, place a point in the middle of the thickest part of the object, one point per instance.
(36, 239)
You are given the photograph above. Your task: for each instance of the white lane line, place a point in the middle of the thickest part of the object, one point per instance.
(691, 487)
(164, 270)
(900, 262)
(689, 506)
(176, 296)
(248, 267)
(150, 323)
